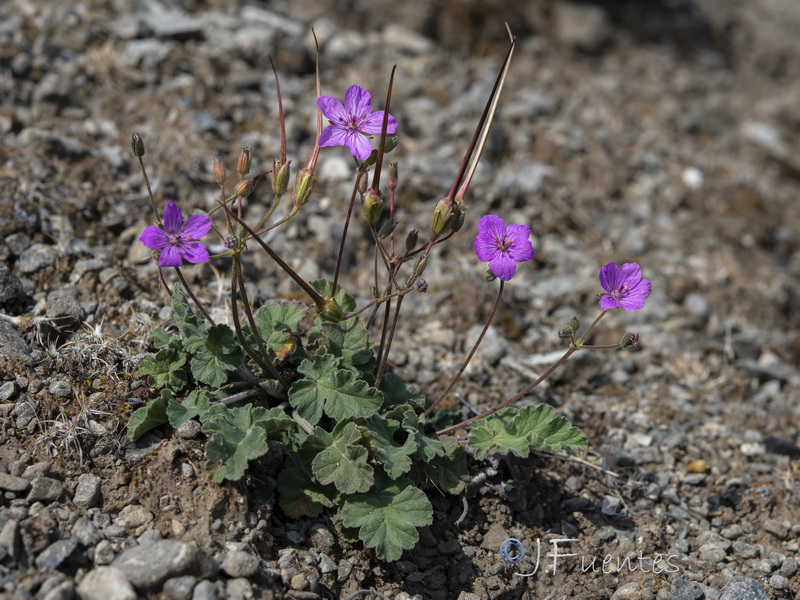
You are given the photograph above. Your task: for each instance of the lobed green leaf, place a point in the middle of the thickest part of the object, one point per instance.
(344, 462)
(149, 416)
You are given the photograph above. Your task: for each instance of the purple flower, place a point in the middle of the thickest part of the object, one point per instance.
(350, 122)
(625, 287)
(502, 247)
(176, 239)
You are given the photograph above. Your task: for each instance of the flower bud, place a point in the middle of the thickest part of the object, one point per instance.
(330, 311)
(280, 177)
(422, 286)
(390, 144)
(361, 184)
(392, 183)
(373, 206)
(137, 145)
(566, 332)
(245, 187)
(243, 167)
(411, 240)
(443, 217)
(387, 228)
(303, 186)
(629, 341)
(489, 276)
(219, 171)
(420, 265)
(372, 158)
(575, 324)
(458, 220)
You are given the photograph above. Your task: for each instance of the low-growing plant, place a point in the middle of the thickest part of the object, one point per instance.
(357, 440)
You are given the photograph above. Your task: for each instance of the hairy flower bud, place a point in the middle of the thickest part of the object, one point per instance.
(459, 211)
(420, 265)
(411, 240)
(243, 168)
(390, 144)
(393, 178)
(566, 332)
(373, 206)
(387, 228)
(280, 177)
(489, 276)
(443, 217)
(303, 186)
(137, 145)
(245, 187)
(372, 158)
(575, 324)
(330, 311)
(219, 171)
(629, 341)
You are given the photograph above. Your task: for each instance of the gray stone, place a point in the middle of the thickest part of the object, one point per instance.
(205, 590)
(493, 346)
(104, 553)
(87, 493)
(682, 589)
(180, 588)
(134, 515)
(59, 389)
(35, 257)
(45, 489)
(9, 538)
(147, 566)
(240, 589)
(61, 591)
(86, 532)
(743, 588)
(56, 553)
(745, 549)
(8, 390)
(13, 484)
(321, 538)
(12, 295)
(104, 583)
(778, 582)
(64, 307)
(449, 548)
(189, 430)
(632, 591)
(777, 528)
(240, 564)
(11, 344)
(789, 567)
(583, 27)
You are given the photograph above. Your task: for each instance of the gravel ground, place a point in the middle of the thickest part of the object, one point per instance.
(664, 132)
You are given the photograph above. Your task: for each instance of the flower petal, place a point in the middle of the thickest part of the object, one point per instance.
(332, 109)
(629, 275)
(170, 257)
(492, 225)
(172, 218)
(503, 266)
(607, 303)
(358, 145)
(374, 122)
(608, 276)
(521, 249)
(194, 252)
(195, 227)
(357, 102)
(333, 135)
(485, 248)
(154, 237)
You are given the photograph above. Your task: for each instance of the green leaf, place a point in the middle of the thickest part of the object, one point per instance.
(150, 416)
(188, 324)
(517, 431)
(334, 391)
(343, 299)
(349, 341)
(238, 435)
(165, 369)
(427, 447)
(447, 473)
(300, 495)
(215, 355)
(198, 402)
(387, 519)
(159, 338)
(344, 462)
(276, 323)
(397, 392)
(393, 455)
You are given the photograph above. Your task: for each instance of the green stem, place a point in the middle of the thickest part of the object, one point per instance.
(150, 192)
(472, 352)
